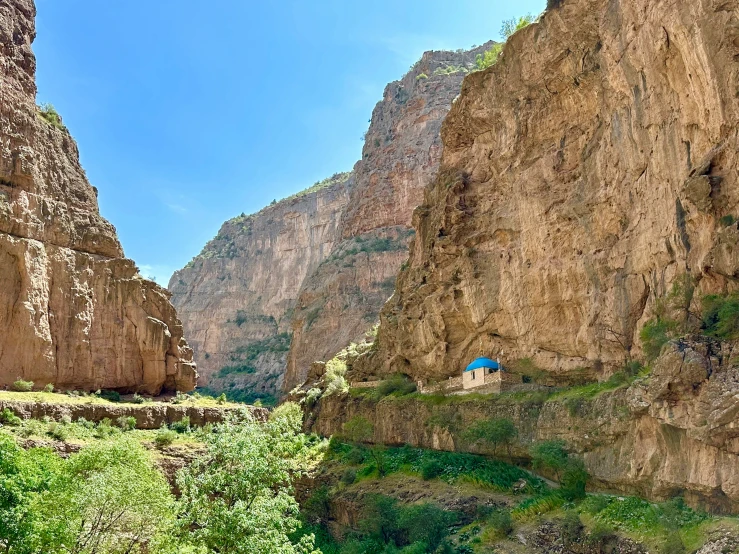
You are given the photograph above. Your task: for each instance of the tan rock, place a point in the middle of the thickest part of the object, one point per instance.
(73, 311)
(581, 176)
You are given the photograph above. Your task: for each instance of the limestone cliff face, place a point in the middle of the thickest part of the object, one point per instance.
(73, 311)
(401, 154)
(237, 297)
(581, 176)
(313, 272)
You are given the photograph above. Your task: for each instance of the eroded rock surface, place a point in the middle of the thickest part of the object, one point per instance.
(672, 433)
(73, 311)
(314, 271)
(582, 175)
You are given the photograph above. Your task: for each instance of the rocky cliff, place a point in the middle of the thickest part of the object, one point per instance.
(582, 175)
(73, 311)
(312, 272)
(401, 154)
(236, 298)
(672, 433)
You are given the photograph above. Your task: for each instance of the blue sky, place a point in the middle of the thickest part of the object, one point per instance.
(188, 113)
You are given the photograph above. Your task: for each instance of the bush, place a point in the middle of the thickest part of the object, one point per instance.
(164, 437)
(49, 387)
(654, 335)
(57, 431)
(574, 480)
(431, 469)
(110, 395)
(426, 523)
(397, 385)
(136, 399)
(721, 316)
(126, 423)
(181, 426)
(23, 386)
(572, 528)
(49, 114)
(349, 476)
(549, 455)
(104, 429)
(501, 524)
(493, 432)
(222, 398)
(673, 544)
(334, 378)
(727, 220)
(9, 418)
(510, 26)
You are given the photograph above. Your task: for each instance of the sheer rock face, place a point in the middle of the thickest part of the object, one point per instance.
(401, 154)
(319, 266)
(240, 291)
(73, 311)
(582, 175)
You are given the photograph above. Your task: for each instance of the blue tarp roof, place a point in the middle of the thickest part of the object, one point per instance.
(482, 362)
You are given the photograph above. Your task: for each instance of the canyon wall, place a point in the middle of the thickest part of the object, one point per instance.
(312, 272)
(236, 298)
(401, 154)
(73, 311)
(583, 175)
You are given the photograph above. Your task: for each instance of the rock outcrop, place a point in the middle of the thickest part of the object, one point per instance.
(672, 433)
(73, 311)
(236, 298)
(401, 154)
(313, 271)
(583, 174)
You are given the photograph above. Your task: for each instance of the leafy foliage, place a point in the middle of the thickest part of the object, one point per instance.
(237, 498)
(721, 316)
(48, 113)
(493, 432)
(23, 386)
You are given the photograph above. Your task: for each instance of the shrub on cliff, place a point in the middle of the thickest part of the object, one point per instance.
(48, 113)
(23, 386)
(721, 316)
(397, 385)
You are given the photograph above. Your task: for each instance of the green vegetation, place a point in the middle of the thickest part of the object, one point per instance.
(247, 356)
(492, 432)
(23, 386)
(451, 467)
(334, 377)
(7, 417)
(721, 316)
(110, 498)
(727, 220)
(509, 27)
(48, 113)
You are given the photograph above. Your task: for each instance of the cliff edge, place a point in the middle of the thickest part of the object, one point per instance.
(73, 311)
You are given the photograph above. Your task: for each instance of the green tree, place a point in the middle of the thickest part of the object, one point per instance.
(23, 476)
(237, 498)
(550, 455)
(427, 524)
(510, 26)
(359, 429)
(109, 498)
(493, 432)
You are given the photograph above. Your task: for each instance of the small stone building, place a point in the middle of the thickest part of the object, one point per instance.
(486, 375)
